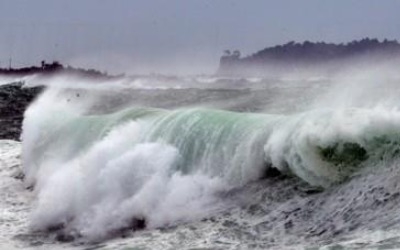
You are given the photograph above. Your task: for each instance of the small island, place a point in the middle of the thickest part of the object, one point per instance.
(294, 56)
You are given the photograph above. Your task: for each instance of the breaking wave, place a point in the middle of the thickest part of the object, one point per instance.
(97, 173)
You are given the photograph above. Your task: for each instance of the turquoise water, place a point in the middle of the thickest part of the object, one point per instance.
(263, 168)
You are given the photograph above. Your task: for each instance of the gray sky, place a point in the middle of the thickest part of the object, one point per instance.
(183, 36)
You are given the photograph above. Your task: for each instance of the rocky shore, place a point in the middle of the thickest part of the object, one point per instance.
(14, 99)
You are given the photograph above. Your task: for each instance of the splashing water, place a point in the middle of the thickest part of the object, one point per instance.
(97, 173)
(254, 164)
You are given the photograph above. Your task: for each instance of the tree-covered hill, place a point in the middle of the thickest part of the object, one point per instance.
(298, 55)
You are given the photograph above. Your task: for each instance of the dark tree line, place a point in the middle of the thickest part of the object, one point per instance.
(52, 68)
(310, 53)
(321, 51)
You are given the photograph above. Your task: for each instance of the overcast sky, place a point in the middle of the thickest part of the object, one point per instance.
(182, 36)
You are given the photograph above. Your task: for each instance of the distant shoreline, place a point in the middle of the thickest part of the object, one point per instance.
(48, 69)
(293, 56)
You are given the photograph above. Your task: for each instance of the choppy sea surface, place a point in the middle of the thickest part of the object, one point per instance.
(205, 163)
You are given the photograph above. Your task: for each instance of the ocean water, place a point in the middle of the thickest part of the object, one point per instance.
(206, 163)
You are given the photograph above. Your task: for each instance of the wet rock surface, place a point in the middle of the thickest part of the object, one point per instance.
(14, 99)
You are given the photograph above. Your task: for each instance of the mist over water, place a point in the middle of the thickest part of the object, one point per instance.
(161, 152)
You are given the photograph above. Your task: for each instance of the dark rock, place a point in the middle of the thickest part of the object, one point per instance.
(14, 99)
(272, 172)
(62, 237)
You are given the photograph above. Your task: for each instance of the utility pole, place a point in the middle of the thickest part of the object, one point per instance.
(9, 63)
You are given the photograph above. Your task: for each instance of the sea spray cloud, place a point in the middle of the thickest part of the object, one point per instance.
(114, 182)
